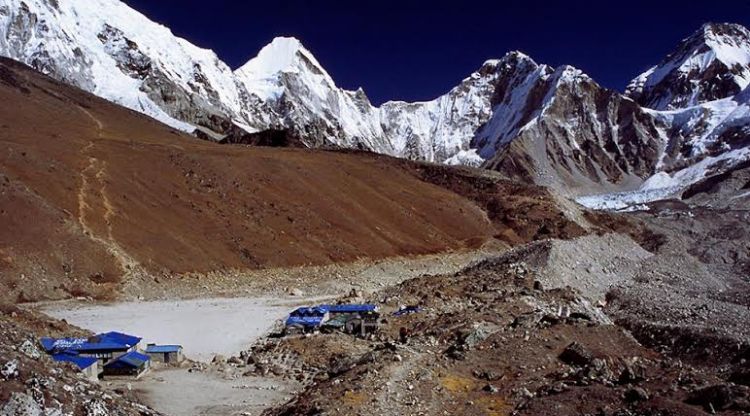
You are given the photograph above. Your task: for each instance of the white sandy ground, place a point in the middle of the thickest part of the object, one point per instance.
(177, 392)
(204, 327)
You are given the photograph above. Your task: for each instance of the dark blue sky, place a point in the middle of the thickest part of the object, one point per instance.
(417, 50)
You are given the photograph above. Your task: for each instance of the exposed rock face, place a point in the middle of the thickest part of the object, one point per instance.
(269, 138)
(440, 129)
(564, 130)
(576, 134)
(107, 48)
(125, 52)
(712, 64)
(730, 188)
(23, 27)
(718, 129)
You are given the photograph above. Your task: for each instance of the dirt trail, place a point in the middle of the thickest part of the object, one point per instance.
(91, 193)
(99, 124)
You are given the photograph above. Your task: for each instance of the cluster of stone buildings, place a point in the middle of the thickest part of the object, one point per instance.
(111, 354)
(357, 319)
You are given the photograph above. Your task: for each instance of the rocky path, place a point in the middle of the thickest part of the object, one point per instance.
(92, 197)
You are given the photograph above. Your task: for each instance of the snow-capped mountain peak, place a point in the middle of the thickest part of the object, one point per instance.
(277, 56)
(729, 42)
(711, 64)
(282, 55)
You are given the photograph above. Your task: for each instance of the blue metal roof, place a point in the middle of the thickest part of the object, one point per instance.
(109, 341)
(314, 316)
(163, 348)
(61, 344)
(309, 311)
(350, 308)
(82, 362)
(132, 359)
(305, 321)
(120, 338)
(76, 345)
(100, 346)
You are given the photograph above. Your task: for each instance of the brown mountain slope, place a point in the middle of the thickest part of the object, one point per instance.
(91, 192)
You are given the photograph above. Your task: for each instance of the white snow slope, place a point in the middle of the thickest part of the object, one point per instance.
(706, 65)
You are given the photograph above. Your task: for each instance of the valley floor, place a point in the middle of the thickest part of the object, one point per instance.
(213, 328)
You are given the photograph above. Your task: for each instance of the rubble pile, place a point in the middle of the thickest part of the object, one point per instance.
(502, 338)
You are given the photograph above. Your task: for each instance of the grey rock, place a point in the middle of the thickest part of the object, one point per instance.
(21, 404)
(489, 388)
(96, 407)
(29, 349)
(717, 397)
(9, 370)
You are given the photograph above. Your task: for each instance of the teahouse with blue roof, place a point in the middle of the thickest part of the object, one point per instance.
(97, 352)
(87, 365)
(167, 354)
(104, 347)
(357, 318)
(132, 364)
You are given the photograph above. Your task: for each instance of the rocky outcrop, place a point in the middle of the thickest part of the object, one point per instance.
(268, 138)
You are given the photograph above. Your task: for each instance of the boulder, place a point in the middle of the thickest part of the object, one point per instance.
(96, 407)
(478, 333)
(21, 404)
(636, 394)
(487, 375)
(489, 388)
(235, 360)
(9, 370)
(30, 350)
(632, 373)
(576, 354)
